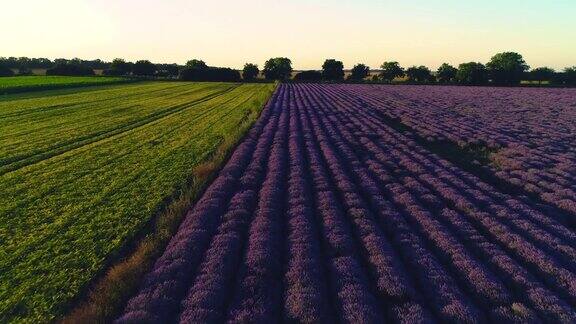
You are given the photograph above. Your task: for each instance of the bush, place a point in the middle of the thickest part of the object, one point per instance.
(70, 70)
(5, 72)
(24, 71)
(472, 73)
(333, 70)
(570, 75)
(210, 74)
(541, 74)
(314, 76)
(112, 72)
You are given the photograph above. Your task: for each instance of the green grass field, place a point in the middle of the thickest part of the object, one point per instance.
(82, 173)
(35, 83)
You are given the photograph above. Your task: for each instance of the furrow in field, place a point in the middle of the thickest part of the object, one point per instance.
(308, 296)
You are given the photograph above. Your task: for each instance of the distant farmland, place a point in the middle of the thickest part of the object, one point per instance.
(36, 83)
(82, 172)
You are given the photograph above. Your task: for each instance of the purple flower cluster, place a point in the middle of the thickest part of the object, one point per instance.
(534, 130)
(324, 213)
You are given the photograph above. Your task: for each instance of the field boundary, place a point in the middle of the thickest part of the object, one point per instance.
(105, 297)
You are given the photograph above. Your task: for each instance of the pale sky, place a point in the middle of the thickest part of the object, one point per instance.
(231, 33)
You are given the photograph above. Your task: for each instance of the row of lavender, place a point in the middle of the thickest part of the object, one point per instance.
(534, 129)
(325, 214)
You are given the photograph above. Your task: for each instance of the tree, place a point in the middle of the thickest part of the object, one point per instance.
(359, 72)
(390, 71)
(278, 68)
(507, 68)
(120, 67)
(40, 63)
(311, 75)
(70, 70)
(570, 75)
(419, 74)
(167, 70)
(213, 74)
(542, 74)
(172, 70)
(196, 64)
(25, 71)
(60, 61)
(250, 72)
(446, 73)
(4, 71)
(332, 70)
(472, 73)
(144, 68)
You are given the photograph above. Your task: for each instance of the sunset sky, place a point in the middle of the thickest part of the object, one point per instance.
(230, 33)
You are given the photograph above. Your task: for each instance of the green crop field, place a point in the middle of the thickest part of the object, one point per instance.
(81, 173)
(35, 83)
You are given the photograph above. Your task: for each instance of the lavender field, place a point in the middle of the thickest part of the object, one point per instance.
(338, 206)
(532, 130)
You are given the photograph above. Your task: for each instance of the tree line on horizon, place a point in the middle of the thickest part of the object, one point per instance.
(507, 68)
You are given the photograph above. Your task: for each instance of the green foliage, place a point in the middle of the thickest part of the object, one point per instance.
(472, 73)
(24, 71)
(332, 70)
(278, 68)
(144, 68)
(70, 69)
(310, 76)
(196, 64)
(250, 72)
(507, 68)
(5, 72)
(37, 83)
(565, 78)
(82, 173)
(446, 73)
(359, 72)
(120, 67)
(167, 70)
(570, 75)
(542, 74)
(391, 71)
(213, 74)
(419, 74)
